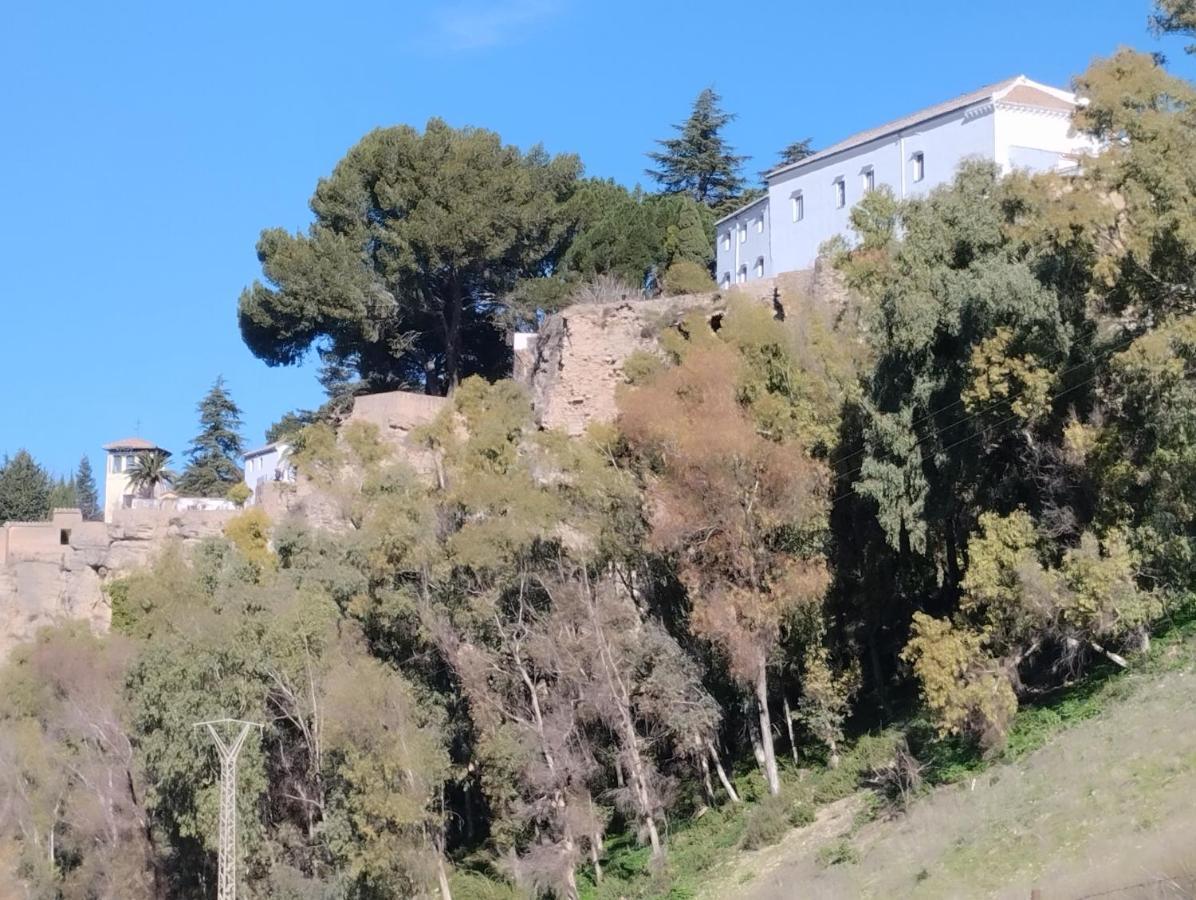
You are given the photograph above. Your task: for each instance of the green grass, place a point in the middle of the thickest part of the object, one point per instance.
(698, 846)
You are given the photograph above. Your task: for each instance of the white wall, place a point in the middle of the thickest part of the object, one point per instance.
(1037, 140)
(944, 142)
(753, 248)
(262, 467)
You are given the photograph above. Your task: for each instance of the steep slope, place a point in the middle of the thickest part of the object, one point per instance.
(1104, 808)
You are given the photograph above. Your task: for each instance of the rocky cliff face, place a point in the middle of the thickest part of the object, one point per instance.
(42, 588)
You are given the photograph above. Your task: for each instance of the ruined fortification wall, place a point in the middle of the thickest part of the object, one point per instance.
(576, 362)
(54, 571)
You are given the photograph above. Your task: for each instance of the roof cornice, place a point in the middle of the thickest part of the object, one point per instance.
(744, 208)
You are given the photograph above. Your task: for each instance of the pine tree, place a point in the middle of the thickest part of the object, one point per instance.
(796, 152)
(212, 465)
(699, 162)
(86, 494)
(24, 490)
(63, 495)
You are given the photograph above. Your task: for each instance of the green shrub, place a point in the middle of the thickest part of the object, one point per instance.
(476, 886)
(801, 813)
(641, 366)
(239, 493)
(766, 823)
(685, 277)
(837, 854)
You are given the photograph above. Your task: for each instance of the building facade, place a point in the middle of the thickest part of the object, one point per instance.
(1017, 124)
(267, 464)
(122, 456)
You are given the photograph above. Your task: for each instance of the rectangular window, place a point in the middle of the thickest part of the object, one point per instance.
(742, 276)
(726, 279)
(797, 206)
(742, 233)
(919, 166)
(760, 225)
(840, 193)
(760, 267)
(726, 240)
(116, 460)
(868, 180)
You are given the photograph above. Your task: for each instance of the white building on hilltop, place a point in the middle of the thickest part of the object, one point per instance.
(267, 464)
(122, 459)
(1018, 124)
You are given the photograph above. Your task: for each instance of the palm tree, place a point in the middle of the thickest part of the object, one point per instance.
(148, 471)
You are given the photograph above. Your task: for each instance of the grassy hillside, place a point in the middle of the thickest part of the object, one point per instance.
(1092, 796)
(1092, 793)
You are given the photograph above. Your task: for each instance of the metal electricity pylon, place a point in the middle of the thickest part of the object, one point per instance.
(226, 879)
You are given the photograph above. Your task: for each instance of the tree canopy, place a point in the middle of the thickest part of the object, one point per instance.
(24, 489)
(417, 237)
(699, 162)
(214, 457)
(86, 494)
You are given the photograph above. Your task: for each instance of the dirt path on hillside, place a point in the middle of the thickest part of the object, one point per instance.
(1108, 808)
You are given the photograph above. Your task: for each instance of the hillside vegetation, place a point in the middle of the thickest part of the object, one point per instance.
(876, 546)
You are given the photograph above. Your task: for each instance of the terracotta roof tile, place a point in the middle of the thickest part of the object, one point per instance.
(1028, 95)
(132, 443)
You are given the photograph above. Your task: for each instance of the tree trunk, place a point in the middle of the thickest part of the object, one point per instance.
(707, 784)
(1114, 658)
(452, 338)
(722, 775)
(570, 871)
(595, 842)
(771, 775)
(629, 738)
(446, 892)
(789, 727)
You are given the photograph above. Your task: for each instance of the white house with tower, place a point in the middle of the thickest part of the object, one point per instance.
(122, 457)
(1016, 123)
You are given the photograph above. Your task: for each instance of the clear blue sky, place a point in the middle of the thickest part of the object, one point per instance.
(145, 145)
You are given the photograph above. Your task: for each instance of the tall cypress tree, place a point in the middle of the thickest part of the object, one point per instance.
(699, 161)
(86, 494)
(214, 455)
(24, 490)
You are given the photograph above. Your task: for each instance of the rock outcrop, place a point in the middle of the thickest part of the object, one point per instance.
(56, 573)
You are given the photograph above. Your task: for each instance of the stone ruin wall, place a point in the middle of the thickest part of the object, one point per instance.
(575, 365)
(44, 581)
